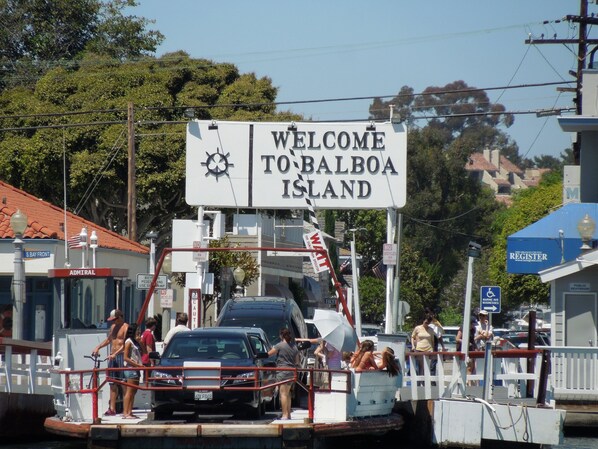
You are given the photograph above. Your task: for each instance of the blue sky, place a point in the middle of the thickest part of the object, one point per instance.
(328, 49)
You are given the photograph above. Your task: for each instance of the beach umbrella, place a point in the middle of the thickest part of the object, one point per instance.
(335, 329)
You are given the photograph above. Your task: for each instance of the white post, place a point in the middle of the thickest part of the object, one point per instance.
(18, 290)
(390, 233)
(152, 235)
(355, 271)
(200, 265)
(396, 319)
(83, 245)
(473, 253)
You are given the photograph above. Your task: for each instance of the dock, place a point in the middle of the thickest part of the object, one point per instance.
(218, 431)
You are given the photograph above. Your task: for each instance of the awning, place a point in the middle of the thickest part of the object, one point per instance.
(550, 241)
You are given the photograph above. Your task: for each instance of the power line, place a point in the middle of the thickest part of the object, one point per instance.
(275, 103)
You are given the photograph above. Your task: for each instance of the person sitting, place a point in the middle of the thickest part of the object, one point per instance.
(363, 359)
(388, 362)
(346, 360)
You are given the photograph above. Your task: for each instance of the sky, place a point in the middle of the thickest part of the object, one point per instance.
(333, 49)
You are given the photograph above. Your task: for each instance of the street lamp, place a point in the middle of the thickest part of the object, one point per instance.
(93, 244)
(586, 228)
(18, 223)
(83, 245)
(239, 276)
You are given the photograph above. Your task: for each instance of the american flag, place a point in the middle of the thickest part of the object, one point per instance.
(74, 241)
(345, 266)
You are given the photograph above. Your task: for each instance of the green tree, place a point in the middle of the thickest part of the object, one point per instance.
(97, 91)
(528, 207)
(37, 35)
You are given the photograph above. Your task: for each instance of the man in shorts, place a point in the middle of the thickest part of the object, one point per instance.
(116, 340)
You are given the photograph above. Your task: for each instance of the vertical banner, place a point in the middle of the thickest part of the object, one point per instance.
(314, 240)
(194, 308)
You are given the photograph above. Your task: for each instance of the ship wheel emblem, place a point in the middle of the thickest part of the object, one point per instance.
(217, 164)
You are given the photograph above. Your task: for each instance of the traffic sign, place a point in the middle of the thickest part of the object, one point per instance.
(144, 281)
(490, 298)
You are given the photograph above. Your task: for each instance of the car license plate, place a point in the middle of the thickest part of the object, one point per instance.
(203, 395)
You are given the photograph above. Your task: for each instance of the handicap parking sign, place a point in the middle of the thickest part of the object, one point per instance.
(490, 298)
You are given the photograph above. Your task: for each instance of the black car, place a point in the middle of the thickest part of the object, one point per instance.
(270, 313)
(238, 347)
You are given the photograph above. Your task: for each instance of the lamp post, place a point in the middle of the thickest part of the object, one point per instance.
(93, 244)
(239, 276)
(474, 251)
(152, 236)
(18, 223)
(83, 245)
(167, 270)
(586, 228)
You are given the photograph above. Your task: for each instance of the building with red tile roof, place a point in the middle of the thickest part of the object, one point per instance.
(63, 284)
(500, 174)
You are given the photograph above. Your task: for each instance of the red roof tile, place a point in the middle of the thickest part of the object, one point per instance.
(477, 162)
(501, 182)
(509, 166)
(45, 221)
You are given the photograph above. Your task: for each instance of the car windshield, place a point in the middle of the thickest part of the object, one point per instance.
(270, 327)
(207, 348)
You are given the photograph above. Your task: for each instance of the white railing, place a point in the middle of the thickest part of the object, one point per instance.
(25, 367)
(574, 372)
(450, 378)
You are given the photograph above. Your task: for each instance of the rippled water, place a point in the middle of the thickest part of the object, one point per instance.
(571, 442)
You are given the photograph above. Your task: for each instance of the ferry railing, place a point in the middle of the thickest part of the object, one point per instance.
(195, 378)
(25, 366)
(574, 372)
(447, 374)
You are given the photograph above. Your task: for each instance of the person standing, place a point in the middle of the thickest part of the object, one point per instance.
(116, 340)
(422, 340)
(181, 325)
(148, 343)
(483, 331)
(287, 356)
(132, 354)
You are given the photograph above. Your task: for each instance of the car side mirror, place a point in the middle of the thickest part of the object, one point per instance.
(154, 355)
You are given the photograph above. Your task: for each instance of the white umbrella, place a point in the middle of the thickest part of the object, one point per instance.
(335, 329)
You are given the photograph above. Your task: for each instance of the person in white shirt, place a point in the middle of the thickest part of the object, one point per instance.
(181, 325)
(483, 331)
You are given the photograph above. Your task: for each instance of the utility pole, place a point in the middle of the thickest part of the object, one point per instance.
(582, 51)
(131, 191)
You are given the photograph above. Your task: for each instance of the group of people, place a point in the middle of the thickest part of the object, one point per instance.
(427, 337)
(287, 357)
(130, 348)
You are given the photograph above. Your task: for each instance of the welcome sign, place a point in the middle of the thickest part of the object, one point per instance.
(278, 165)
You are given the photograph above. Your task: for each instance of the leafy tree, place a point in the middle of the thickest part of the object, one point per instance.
(37, 35)
(528, 207)
(100, 90)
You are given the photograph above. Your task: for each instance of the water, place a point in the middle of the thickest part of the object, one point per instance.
(571, 442)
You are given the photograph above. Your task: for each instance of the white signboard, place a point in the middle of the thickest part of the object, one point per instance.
(340, 165)
(144, 281)
(166, 298)
(319, 261)
(389, 254)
